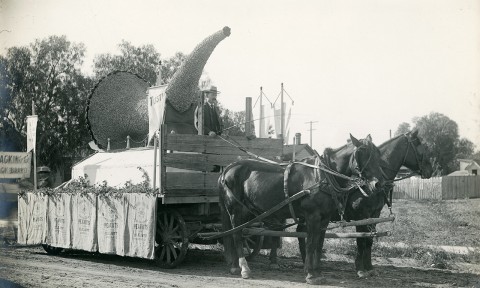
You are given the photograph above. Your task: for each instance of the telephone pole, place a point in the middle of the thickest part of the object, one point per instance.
(311, 129)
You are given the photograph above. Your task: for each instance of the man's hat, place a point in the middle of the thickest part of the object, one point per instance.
(211, 89)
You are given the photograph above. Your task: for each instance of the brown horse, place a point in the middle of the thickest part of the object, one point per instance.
(249, 188)
(407, 150)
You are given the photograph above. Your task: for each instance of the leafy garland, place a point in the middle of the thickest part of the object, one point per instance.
(82, 187)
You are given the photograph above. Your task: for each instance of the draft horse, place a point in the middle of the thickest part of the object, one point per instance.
(407, 150)
(248, 188)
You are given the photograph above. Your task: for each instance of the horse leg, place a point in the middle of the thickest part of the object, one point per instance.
(361, 249)
(301, 241)
(367, 257)
(315, 237)
(275, 243)
(238, 243)
(231, 254)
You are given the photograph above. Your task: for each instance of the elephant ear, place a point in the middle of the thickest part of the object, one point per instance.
(117, 108)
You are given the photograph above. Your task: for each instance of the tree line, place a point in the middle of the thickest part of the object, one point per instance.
(440, 134)
(48, 74)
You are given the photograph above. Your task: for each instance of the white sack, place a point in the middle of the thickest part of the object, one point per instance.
(111, 225)
(59, 212)
(140, 230)
(84, 222)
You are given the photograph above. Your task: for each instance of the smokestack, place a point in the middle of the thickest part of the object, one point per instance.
(298, 138)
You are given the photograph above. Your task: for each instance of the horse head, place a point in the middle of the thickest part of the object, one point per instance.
(365, 163)
(417, 157)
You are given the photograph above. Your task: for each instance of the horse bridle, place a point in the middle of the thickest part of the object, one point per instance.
(419, 161)
(354, 164)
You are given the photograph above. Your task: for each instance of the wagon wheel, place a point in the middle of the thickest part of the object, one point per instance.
(52, 250)
(252, 244)
(171, 240)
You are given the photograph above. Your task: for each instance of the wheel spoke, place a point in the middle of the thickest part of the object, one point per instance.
(163, 253)
(170, 226)
(168, 253)
(175, 229)
(246, 246)
(249, 240)
(174, 252)
(165, 220)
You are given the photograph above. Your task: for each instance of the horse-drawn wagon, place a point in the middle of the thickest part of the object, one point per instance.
(151, 201)
(142, 196)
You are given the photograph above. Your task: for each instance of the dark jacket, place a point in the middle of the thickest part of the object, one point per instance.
(211, 119)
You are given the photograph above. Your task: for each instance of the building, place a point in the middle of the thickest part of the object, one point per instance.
(467, 168)
(301, 150)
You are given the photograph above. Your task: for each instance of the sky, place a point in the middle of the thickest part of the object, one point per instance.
(359, 67)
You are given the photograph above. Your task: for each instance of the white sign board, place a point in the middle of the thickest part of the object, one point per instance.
(156, 109)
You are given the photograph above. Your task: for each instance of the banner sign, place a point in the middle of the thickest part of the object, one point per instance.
(156, 109)
(31, 132)
(15, 164)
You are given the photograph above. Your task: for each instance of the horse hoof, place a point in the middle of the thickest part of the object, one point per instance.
(362, 274)
(316, 281)
(246, 274)
(234, 271)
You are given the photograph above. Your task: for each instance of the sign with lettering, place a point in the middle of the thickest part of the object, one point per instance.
(156, 109)
(15, 164)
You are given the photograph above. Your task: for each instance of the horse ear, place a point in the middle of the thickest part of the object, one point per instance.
(355, 141)
(369, 138)
(414, 133)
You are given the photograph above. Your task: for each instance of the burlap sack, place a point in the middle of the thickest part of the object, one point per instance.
(32, 209)
(140, 231)
(111, 225)
(84, 222)
(59, 215)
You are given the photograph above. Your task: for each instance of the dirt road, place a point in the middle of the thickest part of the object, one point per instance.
(32, 267)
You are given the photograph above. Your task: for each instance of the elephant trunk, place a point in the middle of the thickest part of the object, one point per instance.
(182, 88)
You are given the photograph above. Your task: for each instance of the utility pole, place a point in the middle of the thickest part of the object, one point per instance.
(311, 129)
(282, 115)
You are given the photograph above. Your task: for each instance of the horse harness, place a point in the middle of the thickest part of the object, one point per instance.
(329, 181)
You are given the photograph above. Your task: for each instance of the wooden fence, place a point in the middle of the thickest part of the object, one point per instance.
(447, 187)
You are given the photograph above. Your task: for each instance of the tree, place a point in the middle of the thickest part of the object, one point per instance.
(233, 122)
(440, 134)
(465, 148)
(47, 73)
(143, 61)
(402, 129)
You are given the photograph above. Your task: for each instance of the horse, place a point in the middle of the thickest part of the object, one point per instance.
(249, 187)
(405, 149)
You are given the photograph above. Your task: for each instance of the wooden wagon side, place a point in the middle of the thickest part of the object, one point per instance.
(190, 166)
(188, 163)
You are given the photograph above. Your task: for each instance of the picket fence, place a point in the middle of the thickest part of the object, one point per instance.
(445, 188)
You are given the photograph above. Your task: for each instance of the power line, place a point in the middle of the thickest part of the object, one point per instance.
(311, 129)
